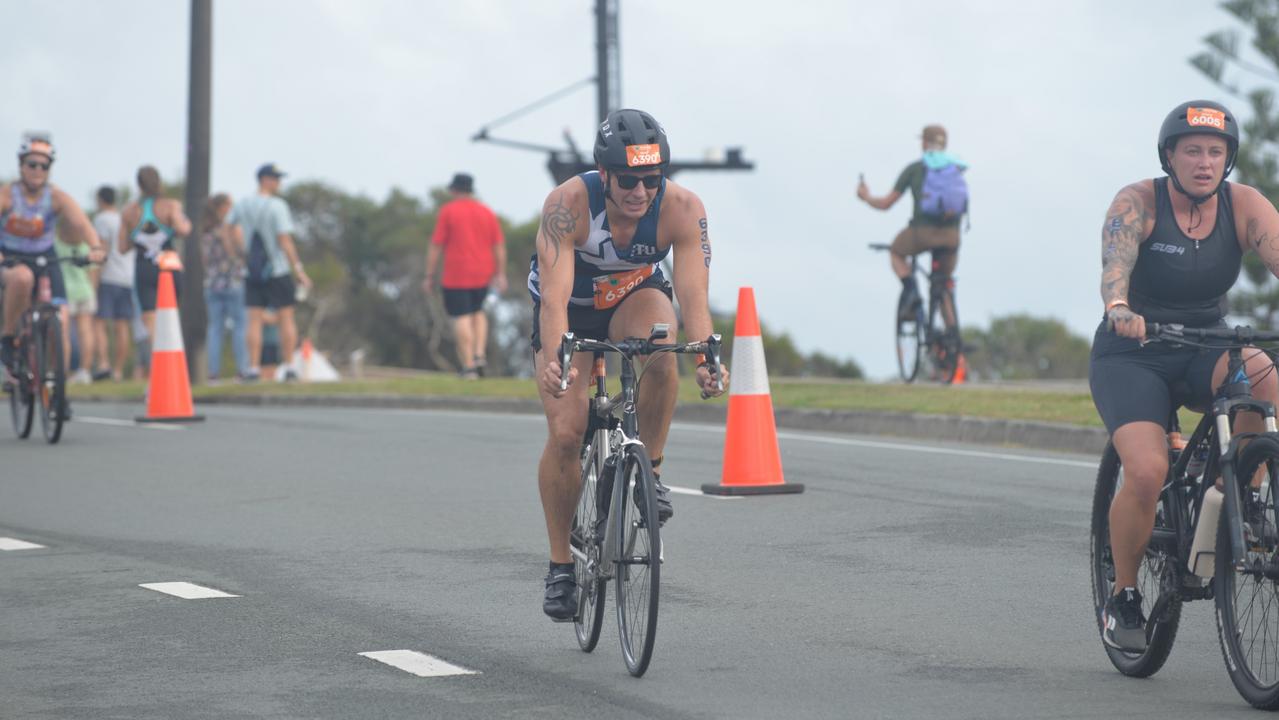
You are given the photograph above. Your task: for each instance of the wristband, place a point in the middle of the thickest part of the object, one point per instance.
(701, 359)
(1116, 303)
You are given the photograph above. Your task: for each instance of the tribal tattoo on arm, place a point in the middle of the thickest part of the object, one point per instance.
(1120, 239)
(558, 223)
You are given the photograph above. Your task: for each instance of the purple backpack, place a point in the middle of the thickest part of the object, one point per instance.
(945, 193)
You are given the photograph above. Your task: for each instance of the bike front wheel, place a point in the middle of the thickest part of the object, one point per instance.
(911, 341)
(639, 560)
(21, 397)
(1246, 592)
(51, 378)
(1155, 576)
(586, 544)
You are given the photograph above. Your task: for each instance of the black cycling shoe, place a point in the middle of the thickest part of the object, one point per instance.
(64, 409)
(8, 353)
(665, 510)
(909, 305)
(560, 601)
(1125, 626)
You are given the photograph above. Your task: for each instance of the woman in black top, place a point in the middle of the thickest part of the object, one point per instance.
(1171, 250)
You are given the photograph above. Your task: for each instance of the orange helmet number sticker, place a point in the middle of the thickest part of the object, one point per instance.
(642, 155)
(1206, 117)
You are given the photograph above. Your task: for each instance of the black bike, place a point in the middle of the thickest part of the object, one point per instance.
(1238, 565)
(39, 375)
(615, 533)
(922, 333)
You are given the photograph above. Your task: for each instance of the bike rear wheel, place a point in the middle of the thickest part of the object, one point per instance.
(51, 379)
(943, 343)
(21, 397)
(638, 558)
(911, 334)
(1246, 592)
(1156, 576)
(586, 542)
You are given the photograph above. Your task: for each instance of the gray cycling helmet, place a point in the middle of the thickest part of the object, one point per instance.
(36, 143)
(631, 139)
(1199, 117)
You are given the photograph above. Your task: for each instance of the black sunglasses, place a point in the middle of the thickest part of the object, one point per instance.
(45, 166)
(628, 182)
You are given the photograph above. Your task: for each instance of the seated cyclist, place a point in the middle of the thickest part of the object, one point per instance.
(1171, 249)
(29, 208)
(596, 273)
(941, 197)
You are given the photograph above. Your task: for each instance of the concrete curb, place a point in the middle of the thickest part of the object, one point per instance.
(986, 431)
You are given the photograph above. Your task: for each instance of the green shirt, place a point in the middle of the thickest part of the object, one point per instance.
(76, 278)
(913, 178)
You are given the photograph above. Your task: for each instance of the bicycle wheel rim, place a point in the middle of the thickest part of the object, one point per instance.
(21, 404)
(1248, 592)
(638, 561)
(50, 376)
(586, 546)
(909, 347)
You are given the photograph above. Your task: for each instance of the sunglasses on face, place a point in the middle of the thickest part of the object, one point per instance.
(628, 182)
(45, 166)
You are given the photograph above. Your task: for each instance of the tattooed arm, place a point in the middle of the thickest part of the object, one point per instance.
(691, 248)
(1129, 221)
(1260, 222)
(565, 222)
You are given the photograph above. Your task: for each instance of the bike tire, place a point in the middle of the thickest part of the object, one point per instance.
(1161, 632)
(1247, 594)
(51, 378)
(944, 343)
(21, 397)
(911, 341)
(586, 541)
(638, 571)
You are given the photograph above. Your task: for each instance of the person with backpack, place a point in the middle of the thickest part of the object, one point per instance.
(264, 227)
(941, 199)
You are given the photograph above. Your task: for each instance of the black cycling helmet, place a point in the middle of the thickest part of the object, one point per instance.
(1199, 117)
(38, 143)
(631, 139)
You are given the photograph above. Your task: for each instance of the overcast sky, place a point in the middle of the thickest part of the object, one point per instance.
(1055, 106)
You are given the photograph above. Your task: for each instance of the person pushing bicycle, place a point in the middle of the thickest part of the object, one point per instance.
(596, 273)
(29, 209)
(1172, 248)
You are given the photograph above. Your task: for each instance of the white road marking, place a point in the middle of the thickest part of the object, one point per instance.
(8, 543)
(691, 491)
(126, 423)
(186, 590)
(417, 663)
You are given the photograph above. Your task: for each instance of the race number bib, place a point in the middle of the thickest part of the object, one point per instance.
(610, 289)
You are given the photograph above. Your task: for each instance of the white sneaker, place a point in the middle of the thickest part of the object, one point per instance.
(81, 377)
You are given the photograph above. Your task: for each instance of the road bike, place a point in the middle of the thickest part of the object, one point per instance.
(615, 534)
(923, 336)
(39, 376)
(1237, 562)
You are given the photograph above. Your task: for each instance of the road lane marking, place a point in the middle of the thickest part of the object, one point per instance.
(8, 543)
(691, 491)
(115, 422)
(916, 448)
(417, 663)
(186, 590)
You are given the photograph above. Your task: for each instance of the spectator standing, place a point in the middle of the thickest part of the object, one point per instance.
(223, 285)
(115, 292)
(469, 237)
(152, 224)
(263, 225)
(82, 305)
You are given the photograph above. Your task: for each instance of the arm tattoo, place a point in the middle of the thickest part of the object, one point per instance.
(706, 241)
(557, 224)
(1120, 239)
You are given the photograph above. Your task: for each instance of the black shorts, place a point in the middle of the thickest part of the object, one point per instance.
(57, 288)
(587, 322)
(1131, 382)
(146, 278)
(464, 301)
(276, 292)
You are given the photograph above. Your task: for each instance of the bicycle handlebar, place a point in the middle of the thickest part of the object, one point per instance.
(40, 261)
(630, 347)
(1239, 334)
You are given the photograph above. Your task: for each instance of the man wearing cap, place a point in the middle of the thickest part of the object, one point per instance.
(926, 230)
(468, 235)
(264, 227)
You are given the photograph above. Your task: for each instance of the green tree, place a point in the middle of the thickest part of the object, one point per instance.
(1224, 61)
(1022, 347)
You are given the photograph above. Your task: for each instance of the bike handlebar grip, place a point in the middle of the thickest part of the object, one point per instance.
(566, 355)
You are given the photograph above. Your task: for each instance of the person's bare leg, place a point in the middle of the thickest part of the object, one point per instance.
(635, 318)
(464, 339)
(123, 346)
(559, 474)
(1143, 451)
(18, 281)
(88, 345)
(288, 336)
(148, 321)
(253, 338)
(479, 343)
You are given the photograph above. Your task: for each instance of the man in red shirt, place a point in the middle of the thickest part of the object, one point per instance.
(467, 233)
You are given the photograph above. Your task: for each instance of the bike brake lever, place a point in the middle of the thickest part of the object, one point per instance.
(566, 356)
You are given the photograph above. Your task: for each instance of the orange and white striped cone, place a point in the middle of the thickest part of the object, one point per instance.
(307, 351)
(169, 390)
(752, 458)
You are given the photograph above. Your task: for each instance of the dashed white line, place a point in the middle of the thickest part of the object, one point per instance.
(691, 491)
(115, 422)
(8, 543)
(186, 590)
(418, 663)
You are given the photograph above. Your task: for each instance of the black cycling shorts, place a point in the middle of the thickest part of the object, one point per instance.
(53, 269)
(464, 301)
(587, 322)
(1131, 382)
(146, 278)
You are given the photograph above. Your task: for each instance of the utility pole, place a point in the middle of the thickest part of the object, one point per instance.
(608, 66)
(199, 107)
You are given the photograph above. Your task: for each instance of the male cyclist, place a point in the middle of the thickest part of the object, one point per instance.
(1171, 250)
(608, 229)
(29, 209)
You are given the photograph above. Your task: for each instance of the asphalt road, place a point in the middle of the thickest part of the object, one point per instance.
(909, 581)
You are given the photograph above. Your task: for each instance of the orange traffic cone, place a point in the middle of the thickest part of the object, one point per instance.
(307, 351)
(961, 371)
(752, 459)
(169, 391)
